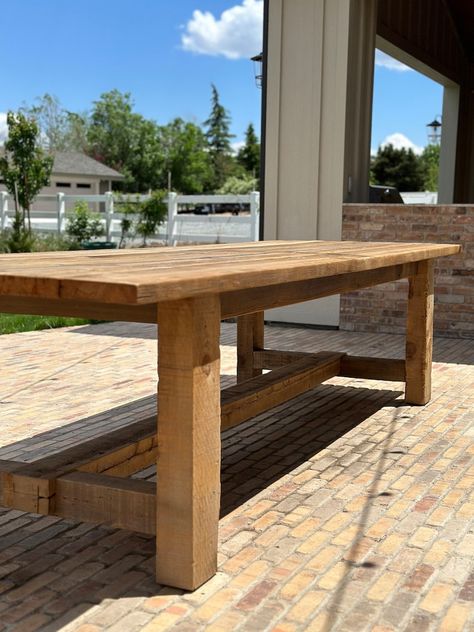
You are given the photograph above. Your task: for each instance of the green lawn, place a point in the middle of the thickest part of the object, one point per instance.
(12, 323)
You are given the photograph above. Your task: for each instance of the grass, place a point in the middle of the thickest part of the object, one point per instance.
(13, 323)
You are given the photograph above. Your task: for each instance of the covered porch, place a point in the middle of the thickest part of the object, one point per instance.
(317, 114)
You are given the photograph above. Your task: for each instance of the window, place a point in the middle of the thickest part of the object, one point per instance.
(83, 185)
(63, 185)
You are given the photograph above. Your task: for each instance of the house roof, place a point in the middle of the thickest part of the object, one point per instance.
(76, 163)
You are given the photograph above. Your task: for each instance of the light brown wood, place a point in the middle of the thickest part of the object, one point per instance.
(188, 488)
(249, 398)
(279, 295)
(78, 309)
(250, 338)
(7, 468)
(165, 274)
(28, 493)
(121, 452)
(368, 368)
(125, 503)
(363, 367)
(188, 290)
(419, 339)
(274, 359)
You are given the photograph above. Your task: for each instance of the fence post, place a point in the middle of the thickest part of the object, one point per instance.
(3, 209)
(61, 206)
(109, 211)
(255, 215)
(172, 212)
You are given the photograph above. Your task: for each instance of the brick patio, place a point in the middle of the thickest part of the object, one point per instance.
(341, 510)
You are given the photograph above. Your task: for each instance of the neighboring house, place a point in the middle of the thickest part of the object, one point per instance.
(74, 173)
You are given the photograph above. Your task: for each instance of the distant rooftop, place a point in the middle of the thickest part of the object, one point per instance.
(77, 163)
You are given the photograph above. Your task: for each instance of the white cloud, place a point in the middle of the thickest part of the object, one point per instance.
(399, 140)
(235, 34)
(385, 61)
(3, 127)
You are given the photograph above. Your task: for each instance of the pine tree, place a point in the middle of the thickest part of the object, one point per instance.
(218, 139)
(400, 168)
(249, 154)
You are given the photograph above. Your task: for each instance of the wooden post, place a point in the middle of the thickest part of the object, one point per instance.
(419, 343)
(250, 338)
(188, 487)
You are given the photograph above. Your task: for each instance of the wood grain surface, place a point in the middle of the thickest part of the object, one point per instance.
(140, 276)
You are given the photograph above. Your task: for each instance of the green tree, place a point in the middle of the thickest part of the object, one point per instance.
(430, 161)
(218, 138)
(399, 168)
(59, 129)
(125, 141)
(249, 154)
(186, 158)
(25, 169)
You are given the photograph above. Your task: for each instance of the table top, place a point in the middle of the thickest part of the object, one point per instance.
(139, 276)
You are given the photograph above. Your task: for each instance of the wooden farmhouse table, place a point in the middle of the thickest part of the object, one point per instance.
(187, 291)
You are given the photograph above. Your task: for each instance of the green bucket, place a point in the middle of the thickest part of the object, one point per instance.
(98, 245)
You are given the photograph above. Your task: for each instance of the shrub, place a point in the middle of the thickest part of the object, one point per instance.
(152, 213)
(141, 218)
(84, 224)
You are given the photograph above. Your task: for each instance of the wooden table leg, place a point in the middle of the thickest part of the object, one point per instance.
(250, 338)
(419, 343)
(188, 486)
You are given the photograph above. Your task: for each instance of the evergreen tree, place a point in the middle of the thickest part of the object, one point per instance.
(249, 154)
(399, 168)
(218, 138)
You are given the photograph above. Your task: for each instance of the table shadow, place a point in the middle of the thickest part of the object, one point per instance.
(80, 565)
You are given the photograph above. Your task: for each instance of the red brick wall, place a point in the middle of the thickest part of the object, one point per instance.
(383, 308)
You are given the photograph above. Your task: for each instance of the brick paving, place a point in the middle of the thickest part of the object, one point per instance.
(342, 510)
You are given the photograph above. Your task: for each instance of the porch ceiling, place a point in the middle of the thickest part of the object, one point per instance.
(462, 12)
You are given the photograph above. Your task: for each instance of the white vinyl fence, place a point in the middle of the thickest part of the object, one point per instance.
(51, 212)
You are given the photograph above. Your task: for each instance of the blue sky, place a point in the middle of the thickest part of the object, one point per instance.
(167, 53)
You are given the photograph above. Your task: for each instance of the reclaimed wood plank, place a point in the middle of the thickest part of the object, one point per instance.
(282, 294)
(118, 502)
(250, 338)
(419, 338)
(248, 399)
(368, 368)
(140, 277)
(188, 470)
(122, 452)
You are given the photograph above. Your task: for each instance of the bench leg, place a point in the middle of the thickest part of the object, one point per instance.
(419, 343)
(188, 470)
(250, 338)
